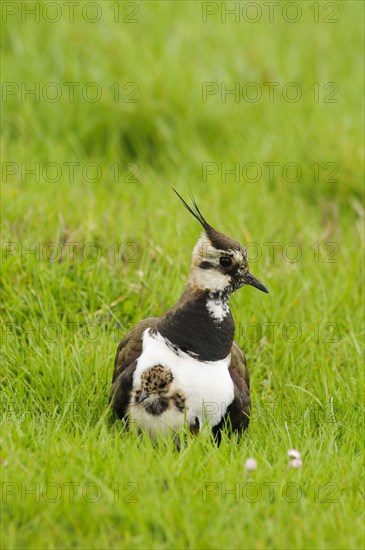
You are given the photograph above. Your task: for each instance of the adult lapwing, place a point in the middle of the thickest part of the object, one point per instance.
(184, 368)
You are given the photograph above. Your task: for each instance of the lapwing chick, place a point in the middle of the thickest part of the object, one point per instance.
(193, 344)
(156, 393)
(155, 404)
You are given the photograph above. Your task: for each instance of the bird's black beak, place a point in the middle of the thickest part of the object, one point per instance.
(249, 279)
(143, 397)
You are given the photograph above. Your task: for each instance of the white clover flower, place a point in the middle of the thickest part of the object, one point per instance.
(296, 463)
(293, 453)
(251, 464)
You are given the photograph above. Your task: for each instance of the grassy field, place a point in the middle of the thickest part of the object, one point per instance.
(94, 240)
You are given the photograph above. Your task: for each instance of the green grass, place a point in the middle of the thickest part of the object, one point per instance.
(62, 320)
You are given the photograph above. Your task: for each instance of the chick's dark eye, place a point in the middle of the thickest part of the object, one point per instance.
(225, 261)
(162, 385)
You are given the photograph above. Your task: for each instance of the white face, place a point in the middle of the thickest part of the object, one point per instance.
(213, 278)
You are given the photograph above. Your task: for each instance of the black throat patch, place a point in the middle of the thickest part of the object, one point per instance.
(190, 327)
(157, 406)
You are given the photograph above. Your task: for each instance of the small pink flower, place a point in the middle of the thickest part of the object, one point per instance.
(251, 464)
(296, 463)
(293, 453)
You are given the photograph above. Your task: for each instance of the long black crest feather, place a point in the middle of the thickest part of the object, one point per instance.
(196, 212)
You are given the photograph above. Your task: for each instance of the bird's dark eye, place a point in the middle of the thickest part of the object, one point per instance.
(162, 385)
(225, 261)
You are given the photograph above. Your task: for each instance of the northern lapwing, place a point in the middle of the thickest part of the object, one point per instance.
(193, 344)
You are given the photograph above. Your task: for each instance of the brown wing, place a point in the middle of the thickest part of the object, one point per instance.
(129, 349)
(238, 411)
(238, 369)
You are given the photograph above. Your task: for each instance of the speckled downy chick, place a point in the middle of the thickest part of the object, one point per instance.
(156, 394)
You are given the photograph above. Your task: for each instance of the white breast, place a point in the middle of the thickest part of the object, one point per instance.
(207, 386)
